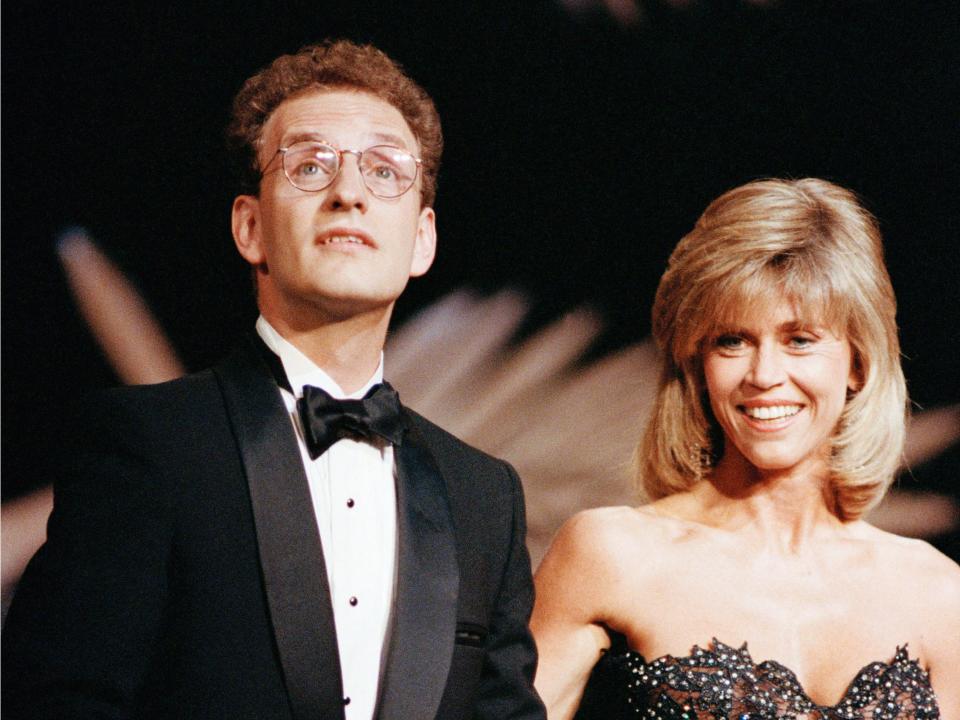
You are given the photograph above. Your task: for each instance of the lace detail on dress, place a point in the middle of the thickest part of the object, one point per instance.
(723, 682)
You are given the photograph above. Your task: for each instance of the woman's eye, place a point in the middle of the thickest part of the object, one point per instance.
(729, 342)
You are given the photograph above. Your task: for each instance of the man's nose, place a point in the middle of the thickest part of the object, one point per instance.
(347, 191)
(766, 369)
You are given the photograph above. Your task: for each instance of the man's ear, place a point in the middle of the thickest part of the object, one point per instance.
(245, 224)
(425, 245)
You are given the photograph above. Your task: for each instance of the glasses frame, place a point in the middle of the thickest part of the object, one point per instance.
(282, 152)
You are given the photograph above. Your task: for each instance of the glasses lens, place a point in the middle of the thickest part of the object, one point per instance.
(310, 165)
(388, 171)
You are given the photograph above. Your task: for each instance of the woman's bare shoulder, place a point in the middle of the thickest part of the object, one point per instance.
(924, 584)
(592, 559)
(917, 563)
(608, 536)
(619, 524)
(907, 549)
(933, 581)
(595, 532)
(934, 571)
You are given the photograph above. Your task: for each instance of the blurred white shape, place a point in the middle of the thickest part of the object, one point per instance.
(426, 330)
(573, 446)
(23, 529)
(569, 430)
(521, 375)
(916, 514)
(448, 348)
(130, 337)
(132, 342)
(930, 433)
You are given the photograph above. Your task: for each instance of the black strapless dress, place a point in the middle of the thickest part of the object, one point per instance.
(723, 683)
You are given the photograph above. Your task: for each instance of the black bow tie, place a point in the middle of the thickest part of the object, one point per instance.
(326, 419)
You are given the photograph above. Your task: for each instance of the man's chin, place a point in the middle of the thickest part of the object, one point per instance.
(312, 305)
(349, 306)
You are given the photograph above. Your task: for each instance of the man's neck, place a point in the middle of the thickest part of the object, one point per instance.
(347, 350)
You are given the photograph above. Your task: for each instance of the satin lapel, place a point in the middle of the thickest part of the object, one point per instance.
(425, 610)
(291, 556)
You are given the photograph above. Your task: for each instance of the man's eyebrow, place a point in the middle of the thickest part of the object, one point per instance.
(302, 137)
(390, 139)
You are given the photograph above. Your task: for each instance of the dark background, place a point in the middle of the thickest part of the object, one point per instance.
(579, 151)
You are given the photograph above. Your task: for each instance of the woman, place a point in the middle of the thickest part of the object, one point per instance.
(751, 587)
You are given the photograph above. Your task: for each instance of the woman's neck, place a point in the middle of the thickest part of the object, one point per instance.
(785, 510)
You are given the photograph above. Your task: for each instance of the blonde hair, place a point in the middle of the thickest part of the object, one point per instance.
(806, 241)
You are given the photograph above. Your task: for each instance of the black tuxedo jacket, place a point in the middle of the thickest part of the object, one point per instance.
(183, 574)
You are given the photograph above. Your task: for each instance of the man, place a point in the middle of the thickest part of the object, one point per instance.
(239, 543)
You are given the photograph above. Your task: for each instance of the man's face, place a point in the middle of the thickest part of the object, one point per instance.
(342, 251)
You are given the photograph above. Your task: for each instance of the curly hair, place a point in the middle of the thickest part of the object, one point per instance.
(807, 241)
(332, 64)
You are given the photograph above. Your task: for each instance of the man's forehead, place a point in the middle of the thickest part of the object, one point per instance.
(294, 135)
(325, 114)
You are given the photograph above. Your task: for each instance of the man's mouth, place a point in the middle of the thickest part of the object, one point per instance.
(345, 237)
(338, 239)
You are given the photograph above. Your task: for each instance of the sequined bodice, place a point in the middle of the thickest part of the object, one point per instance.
(723, 682)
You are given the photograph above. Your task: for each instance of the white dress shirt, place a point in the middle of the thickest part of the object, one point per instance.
(354, 500)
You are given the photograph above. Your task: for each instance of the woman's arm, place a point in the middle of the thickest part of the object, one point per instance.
(571, 584)
(942, 644)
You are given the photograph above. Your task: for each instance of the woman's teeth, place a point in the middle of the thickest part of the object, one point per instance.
(771, 412)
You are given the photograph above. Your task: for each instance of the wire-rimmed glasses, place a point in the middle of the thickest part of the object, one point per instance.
(387, 171)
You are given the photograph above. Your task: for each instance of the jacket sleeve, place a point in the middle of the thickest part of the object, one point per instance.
(506, 689)
(81, 632)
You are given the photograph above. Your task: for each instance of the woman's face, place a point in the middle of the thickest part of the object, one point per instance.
(777, 387)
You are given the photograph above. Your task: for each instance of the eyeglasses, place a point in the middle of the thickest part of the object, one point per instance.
(387, 171)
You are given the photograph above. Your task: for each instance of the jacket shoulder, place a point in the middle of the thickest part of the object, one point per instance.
(196, 390)
(170, 391)
(446, 444)
(145, 416)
